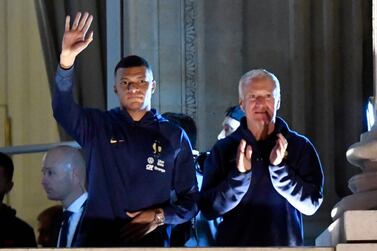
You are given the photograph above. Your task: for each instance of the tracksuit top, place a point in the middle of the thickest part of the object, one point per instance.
(131, 166)
(262, 207)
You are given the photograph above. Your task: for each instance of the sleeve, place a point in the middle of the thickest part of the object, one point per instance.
(301, 183)
(67, 113)
(221, 190)
(183, 206)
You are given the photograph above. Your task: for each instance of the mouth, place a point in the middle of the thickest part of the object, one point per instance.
(134, 96)
(261, 113)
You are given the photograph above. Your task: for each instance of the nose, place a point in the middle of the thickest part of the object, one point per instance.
(260, 100)
(132, 86)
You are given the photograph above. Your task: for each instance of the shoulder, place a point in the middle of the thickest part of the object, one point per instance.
(226, 148)
(21, 226)
(292, 136)
(169, 127)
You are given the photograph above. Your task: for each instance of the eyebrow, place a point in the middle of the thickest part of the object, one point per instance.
(137, 76)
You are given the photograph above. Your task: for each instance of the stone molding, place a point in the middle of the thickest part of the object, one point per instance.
(191, 61)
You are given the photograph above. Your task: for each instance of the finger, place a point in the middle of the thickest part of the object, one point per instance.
(89, 39)
(76, 22)
(82, 21)
(241, 146)
(87, 24)
(249, 152)
(280, 144)
(67, 21)
(280, 136)
(133, 214)
(240, 153)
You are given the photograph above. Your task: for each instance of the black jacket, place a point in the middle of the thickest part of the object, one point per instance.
(13, 231)
(262, 207)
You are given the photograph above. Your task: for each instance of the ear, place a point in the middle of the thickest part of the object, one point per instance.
(154, 86)
(240, 101)
(278, 104)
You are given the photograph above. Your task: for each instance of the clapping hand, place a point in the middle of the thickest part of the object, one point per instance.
(278, 152)
(244, 154)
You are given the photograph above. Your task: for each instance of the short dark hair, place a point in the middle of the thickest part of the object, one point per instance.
(186, 122)
(7, 163)
(132, 61)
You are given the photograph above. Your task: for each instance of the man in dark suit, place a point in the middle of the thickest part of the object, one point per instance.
(13, 231)
(63, 179)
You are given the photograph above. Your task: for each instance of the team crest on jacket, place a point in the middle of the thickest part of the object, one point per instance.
(157, 148)
(155, 163)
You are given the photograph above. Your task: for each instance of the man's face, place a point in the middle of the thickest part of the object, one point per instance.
(260, 102)
(229, 126)
(57, 178)
(134, 87)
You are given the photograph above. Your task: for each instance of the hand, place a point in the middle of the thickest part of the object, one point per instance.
(75, 39)
(142, 223)
(244, 157)
(278, 152)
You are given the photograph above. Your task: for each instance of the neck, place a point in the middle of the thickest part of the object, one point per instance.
(137, 115)
(71, 198)
(261, 131)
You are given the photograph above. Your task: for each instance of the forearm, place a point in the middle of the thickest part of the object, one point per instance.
(222, 198)
(66, 111)
(305, 195)
(183, 208)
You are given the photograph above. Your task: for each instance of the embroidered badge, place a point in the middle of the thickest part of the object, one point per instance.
(155, 163)
(157, 148)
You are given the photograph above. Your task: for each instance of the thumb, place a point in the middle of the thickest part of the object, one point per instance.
(133, 214)
(249, 152)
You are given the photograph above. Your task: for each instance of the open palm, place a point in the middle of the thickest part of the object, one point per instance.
(75, 38)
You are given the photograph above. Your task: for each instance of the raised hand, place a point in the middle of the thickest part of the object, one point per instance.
(278, 152)
(244, 154)
(75, 38)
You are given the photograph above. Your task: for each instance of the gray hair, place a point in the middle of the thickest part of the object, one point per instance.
(258, 73)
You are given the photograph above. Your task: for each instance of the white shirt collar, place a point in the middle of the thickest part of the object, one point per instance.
(76, 206)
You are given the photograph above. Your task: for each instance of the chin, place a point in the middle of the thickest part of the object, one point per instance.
(133, 105)
(52, 197)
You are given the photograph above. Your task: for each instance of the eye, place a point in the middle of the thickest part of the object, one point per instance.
(47, 172)
(253, 97)
(124, 83)
(143, 82)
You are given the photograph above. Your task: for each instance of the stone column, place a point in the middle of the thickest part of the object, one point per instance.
(355, 215)
(363, 154)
